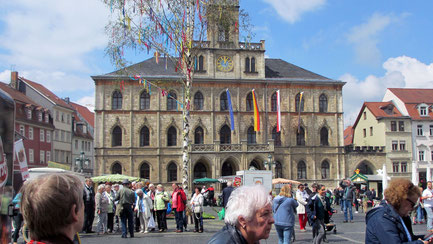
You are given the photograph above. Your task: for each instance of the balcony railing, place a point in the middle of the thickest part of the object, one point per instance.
(258, 147)
(230, 148)
(203, 147)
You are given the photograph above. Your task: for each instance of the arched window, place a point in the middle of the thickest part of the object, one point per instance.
(198, 136)
(276, 136)
(224, 105)
(278, 170)
(144, 100)
(323, 103)
(251, 135)
(172, 172)
(171, 101)
(324, 137)
(116, 168)
(145, 171)
(302, 170)
(116, 139)
(254, 164)
(201, 63)
(247, 64)
(196, 68)
(298, 96)
(200, 171)
(227, 169)
(116, 102)
(325, 170)
(253, 65)
(198, 101)
(171, 136)
(144, 136)
(300, 137)
(225, 135)
(274, 102)
(250, 102)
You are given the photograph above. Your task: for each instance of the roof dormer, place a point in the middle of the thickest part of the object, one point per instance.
(423, 109)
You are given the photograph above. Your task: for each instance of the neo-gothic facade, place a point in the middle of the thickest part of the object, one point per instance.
(139, 133)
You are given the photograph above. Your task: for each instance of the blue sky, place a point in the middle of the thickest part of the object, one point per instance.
(370, 45)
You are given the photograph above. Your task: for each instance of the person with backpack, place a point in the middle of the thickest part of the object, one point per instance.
(284, 209)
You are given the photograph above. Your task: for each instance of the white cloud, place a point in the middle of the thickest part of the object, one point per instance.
(88, 101)
(401, 71)
(50, 41)
(365, 37)
(291, 10)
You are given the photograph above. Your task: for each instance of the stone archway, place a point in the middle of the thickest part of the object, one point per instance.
(366, 168)
(200, 171)
(256, 164)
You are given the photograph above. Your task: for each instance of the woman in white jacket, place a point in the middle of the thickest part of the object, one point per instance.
(301, 197)
(142, 207)
(197, 209)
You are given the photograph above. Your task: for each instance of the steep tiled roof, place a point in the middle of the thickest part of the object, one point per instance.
(348, 135)
(46, 92)
(17, 95)
(85, 113)
(409, 95)
(379, 109)
(414, 113)
(274, 69)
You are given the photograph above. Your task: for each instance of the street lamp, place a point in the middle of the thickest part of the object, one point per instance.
(80, 161)
(270, 163)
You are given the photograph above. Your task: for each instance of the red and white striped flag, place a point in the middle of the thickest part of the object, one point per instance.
(278, 112)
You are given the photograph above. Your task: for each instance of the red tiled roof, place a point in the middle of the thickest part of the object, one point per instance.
(414, 113)
(377, 109)
(410, 95)
(85, 112)
(348, 135)
(46, 92)
(17, 95)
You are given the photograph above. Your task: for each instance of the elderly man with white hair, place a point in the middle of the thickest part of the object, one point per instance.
(248, 216)
(142, 207)
(101, 202)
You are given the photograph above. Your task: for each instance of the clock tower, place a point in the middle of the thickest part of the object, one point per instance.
(224, 56)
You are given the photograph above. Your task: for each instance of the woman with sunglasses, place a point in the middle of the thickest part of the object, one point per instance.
(390, 221)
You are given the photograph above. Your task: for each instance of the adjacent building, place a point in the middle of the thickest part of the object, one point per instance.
(417, 104)
(139, 131)
(60, 111)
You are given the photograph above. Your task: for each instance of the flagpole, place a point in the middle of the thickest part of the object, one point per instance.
(299, 112)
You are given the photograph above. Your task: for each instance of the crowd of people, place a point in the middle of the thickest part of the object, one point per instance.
(250, 211)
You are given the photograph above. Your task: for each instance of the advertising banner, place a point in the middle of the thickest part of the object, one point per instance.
(20, 155)
(3, 166)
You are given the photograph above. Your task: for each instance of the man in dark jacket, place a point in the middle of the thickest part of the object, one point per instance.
(226, 193)
(348, 198)
(126, 198)
(89, 205)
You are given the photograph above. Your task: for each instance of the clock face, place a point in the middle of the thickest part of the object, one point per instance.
(224, 63)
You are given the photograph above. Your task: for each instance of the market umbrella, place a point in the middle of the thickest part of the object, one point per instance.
(205, 180)
(113, 178)
(284, 181)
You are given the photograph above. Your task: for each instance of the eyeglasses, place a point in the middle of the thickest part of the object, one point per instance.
(411, 202)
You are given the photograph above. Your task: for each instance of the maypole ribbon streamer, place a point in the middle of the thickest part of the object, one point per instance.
(256, 113)
(278, 112)
(232, 118)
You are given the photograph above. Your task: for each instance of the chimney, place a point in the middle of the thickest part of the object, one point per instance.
(66, 99)
(14, 80)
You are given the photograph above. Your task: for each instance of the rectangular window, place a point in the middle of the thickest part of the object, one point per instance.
(371, 131)
(62, 137)
(42, 157)
(48, 136)
(56, 135)
(22, 130)
(365, 115)
(68, 136)
(68, 119)
(431, 130)
(48, 156)
(42, 133)
(56, 155)
(423, 111)
(394, 145)
(57, 115)
(30, 133)
(395, 167)
(400, 125)
(76, 144)
(31, 156)
(40, 116)
(393, 126)
(82, 145)
(431, 155)
(402, 145)
(29, 114)
(419, 130)
(421, 155)
(365, 132)
(403, 167)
